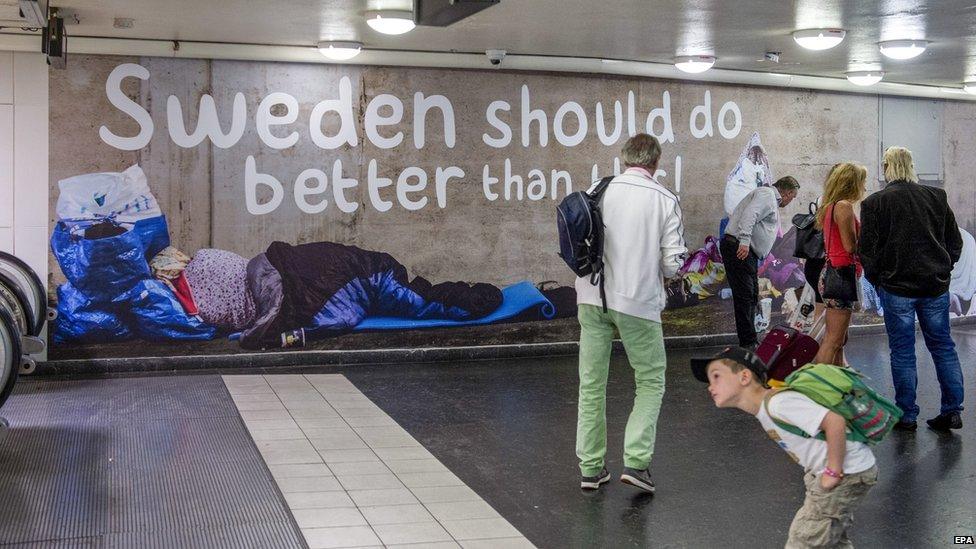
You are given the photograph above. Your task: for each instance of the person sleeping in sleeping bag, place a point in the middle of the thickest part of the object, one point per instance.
(324, 287)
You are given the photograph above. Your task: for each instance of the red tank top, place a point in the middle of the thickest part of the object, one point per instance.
(834, 246)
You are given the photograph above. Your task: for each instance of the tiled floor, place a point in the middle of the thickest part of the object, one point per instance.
(352, 477)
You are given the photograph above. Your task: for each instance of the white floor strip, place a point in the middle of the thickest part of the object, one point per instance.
(353, 477)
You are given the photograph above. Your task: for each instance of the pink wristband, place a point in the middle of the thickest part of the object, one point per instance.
(831, 473)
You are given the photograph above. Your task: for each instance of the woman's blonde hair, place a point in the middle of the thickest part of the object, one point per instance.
(898, 165)
(845, 182)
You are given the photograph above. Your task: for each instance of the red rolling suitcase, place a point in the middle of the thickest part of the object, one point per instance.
(786, 349)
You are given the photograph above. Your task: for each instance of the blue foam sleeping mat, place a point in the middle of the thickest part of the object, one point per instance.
(515, 299)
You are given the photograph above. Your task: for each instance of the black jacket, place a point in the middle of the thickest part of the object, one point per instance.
(909, 240)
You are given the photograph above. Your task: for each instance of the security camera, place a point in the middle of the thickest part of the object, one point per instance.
(495, 56)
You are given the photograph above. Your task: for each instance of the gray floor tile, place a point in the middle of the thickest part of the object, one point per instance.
(396, 514)
(322, 423)
(391, 441)
(500, 543)
(422, 532)
(349, 398)
(309, 484)
(263, 406)
(252, 398)
(277, 434)
(432, 545)
(336, 430)
(419, 480)
(264, 424)
(329, 518)
(250, 389)
(300, 470)
(319, 408)
(372, 498)
(343, 536)
(277, 452)
(480, 528)
(372, 421)
(244, 380)
(460, 510)
(386, 481)
(361, 411)
(359, 468)
(338, 441)
(318, 500)
(312, 413)
(348, 456)
(401, 453)
(442, 494)
(417, 466)
(301, 400)
(263, 415)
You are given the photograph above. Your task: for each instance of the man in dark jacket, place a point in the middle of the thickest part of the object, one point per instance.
(909, 243)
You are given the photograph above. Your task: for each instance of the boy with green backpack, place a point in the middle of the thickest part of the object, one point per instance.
(824, 418)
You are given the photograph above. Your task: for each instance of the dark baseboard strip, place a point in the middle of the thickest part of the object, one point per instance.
(273, 359)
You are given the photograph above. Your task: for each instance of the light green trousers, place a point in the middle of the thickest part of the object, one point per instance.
(644, 343)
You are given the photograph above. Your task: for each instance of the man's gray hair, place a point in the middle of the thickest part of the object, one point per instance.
(641, 150)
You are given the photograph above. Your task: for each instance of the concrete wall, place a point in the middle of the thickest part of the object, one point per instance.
(202, 192)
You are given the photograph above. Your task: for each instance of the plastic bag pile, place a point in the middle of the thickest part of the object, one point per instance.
(109, 226)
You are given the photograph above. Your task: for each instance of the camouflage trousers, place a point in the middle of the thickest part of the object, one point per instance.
(823, 520)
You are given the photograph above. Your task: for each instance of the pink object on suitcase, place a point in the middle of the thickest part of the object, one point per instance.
(785, 350)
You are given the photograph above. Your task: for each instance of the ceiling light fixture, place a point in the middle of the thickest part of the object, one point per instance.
(819, 39)
(970, 87)
(902, 49)
(390, 21)
(339, 50)
(865, 78)
(694, 64)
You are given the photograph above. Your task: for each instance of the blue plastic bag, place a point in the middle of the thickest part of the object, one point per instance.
(102, 269)
(153, 233)
(81, 321)
(155, 314)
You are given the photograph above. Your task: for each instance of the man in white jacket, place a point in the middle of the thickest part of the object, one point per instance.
(748, 239)
(643, 245)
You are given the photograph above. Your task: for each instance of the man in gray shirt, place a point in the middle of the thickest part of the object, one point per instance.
(748, 238)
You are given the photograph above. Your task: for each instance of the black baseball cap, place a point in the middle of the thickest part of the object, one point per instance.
(699, 366)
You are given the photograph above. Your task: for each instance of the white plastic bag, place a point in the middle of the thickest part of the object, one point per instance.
(751, 170)
(125, 195)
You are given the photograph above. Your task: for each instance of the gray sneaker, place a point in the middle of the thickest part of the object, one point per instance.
(638, 479)
(592, 483)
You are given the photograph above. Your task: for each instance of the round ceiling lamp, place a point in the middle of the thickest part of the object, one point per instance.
(970, 87)
(819, 39)
(339, 50)
(865, 78)
(694, 64)
(902, 49)
(390, 21)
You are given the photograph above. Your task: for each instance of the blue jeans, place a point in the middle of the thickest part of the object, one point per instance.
(933, 318)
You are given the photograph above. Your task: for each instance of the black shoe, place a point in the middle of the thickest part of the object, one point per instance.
(944, 422)
(592, 483)
(638, 479)
(906, 426)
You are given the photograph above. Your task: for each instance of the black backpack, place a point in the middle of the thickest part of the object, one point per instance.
(809, 240)
(580, 225)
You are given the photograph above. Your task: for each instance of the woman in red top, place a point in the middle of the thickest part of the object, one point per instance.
(844, 188)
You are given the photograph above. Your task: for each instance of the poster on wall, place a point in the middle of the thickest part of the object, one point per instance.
(204, 207)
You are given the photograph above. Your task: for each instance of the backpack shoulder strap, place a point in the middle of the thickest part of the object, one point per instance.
(601, 187)
(788, 427)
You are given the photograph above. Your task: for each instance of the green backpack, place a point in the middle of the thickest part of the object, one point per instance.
(870, 416)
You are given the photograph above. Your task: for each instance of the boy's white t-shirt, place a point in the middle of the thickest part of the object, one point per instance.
(811, 453)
